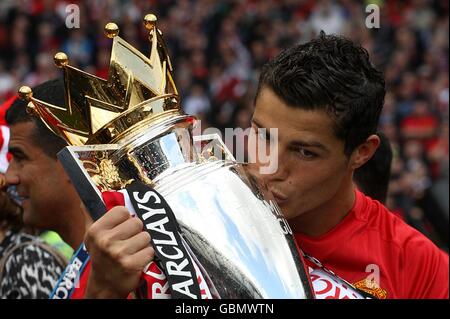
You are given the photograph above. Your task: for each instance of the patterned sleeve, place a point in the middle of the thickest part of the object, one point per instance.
(30, 272)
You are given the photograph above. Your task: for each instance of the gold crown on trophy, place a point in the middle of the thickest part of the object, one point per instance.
(138, 90)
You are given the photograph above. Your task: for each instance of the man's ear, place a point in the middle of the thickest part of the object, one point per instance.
(365, 151)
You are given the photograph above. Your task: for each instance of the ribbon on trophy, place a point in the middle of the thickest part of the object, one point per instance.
(161, 224)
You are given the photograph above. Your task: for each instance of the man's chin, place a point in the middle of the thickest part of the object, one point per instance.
(27, 213)
(288, 212)
(281, 202)
(284, 207)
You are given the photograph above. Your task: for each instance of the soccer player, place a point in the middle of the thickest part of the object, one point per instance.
(325, 98)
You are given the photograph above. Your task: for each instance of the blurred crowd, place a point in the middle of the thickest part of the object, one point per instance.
(218, 47)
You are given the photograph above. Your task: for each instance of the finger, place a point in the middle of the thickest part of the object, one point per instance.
(136, 243)
(127, 229)
(142, 258)
(113, 217)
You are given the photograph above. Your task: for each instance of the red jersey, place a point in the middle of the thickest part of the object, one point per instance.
(379, 253)
(154, 285)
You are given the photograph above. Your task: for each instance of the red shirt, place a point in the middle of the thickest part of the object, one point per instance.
(372, 243)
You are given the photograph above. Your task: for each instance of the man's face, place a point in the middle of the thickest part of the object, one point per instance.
(37, 177)
(313, 170)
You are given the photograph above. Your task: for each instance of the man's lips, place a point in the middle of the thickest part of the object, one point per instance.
(279, 197)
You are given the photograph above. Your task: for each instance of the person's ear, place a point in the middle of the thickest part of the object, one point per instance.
(365, 151)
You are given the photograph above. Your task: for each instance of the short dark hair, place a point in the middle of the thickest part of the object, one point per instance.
(51, 92)
(334, 74)
(373, 177)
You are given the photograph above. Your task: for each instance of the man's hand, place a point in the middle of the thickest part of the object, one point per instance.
(119, 250)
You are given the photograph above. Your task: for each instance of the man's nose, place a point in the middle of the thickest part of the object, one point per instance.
(280, 174)
(11, 176)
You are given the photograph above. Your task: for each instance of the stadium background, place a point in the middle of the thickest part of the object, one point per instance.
(218, 48)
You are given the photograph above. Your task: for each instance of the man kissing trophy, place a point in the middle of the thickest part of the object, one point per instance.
(128, 133)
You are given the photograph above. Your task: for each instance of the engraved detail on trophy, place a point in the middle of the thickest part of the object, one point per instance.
(142, 174)
(105, 174)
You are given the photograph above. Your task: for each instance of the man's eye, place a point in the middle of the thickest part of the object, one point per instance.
(17, 157)
(305, 153)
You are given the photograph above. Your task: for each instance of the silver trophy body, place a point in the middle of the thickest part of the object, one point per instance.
(237, 236)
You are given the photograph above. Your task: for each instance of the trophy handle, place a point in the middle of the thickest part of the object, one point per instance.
(89, 193)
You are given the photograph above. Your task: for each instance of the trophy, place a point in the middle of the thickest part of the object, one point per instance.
(129, 132)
